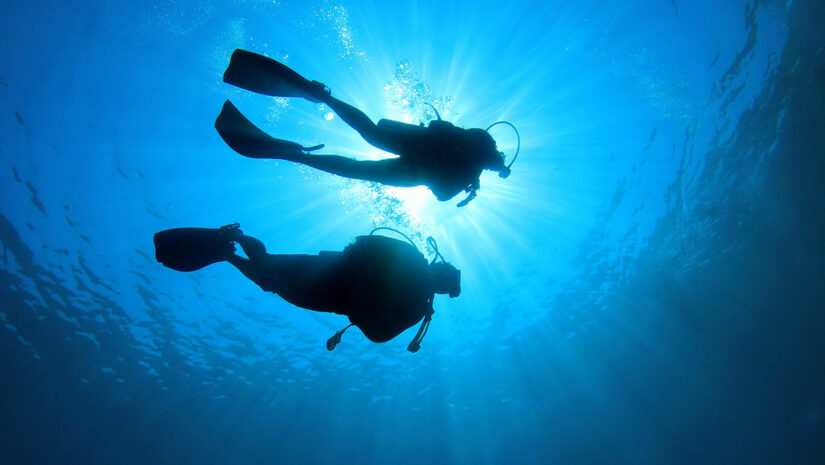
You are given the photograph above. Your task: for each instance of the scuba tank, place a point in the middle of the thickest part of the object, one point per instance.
(415, 344)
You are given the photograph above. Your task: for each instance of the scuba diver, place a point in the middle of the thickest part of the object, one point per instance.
(441, 156)
(383, 285)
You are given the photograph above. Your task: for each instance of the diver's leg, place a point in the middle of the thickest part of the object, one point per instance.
(245, 138)
(391, 171)
(358, 120)
(252, 247)
(245, 266)
(313, 282)
(258, 267)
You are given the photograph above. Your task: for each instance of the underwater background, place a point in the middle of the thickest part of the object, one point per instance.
(645, 288)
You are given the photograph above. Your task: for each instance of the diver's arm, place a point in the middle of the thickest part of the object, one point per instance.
(444, 193)
(448, 189)
(471, 189)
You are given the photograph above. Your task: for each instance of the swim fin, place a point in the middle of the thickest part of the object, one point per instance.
(190, 249)
(245, 138)
(266, 76)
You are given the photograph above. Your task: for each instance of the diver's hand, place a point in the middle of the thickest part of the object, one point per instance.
(467, 200)
(471, 188)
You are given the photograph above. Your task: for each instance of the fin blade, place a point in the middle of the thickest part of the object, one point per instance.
(190, 249)
(245, 138)
(264, 75)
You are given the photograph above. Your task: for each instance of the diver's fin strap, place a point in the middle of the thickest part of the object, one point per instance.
(334, 340)
(231, 231)
(415, 344)
(313, 148)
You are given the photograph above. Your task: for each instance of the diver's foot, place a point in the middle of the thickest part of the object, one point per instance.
(318, 92)
(231, 233)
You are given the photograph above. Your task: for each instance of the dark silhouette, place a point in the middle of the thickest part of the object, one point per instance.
(445, 158)
(383, 285)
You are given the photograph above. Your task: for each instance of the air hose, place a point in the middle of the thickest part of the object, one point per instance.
(518, 139)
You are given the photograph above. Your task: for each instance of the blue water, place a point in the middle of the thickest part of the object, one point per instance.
(646, 288)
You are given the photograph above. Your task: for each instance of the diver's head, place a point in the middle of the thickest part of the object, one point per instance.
(485, 146)
(445, 278)
(503, 170)
(495, 162)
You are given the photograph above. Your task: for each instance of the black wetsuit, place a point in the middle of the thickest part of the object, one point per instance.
(445, 157)
(380, 283)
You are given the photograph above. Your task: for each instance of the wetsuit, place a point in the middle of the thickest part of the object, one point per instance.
(378, 282)
(445, 157)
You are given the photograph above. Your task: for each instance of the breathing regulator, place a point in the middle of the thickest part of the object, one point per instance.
(506, 171)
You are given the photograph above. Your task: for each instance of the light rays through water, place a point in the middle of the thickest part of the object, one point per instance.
(563, 263)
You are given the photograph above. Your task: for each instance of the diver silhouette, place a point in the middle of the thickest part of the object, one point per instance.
(383, 285)
(445, 158)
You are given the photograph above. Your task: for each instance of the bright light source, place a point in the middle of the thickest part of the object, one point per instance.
(414, 200)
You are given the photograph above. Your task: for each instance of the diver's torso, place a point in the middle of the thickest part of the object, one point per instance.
(388, 289)
(439, 155)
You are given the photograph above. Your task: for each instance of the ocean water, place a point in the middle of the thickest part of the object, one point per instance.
(645, 288)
